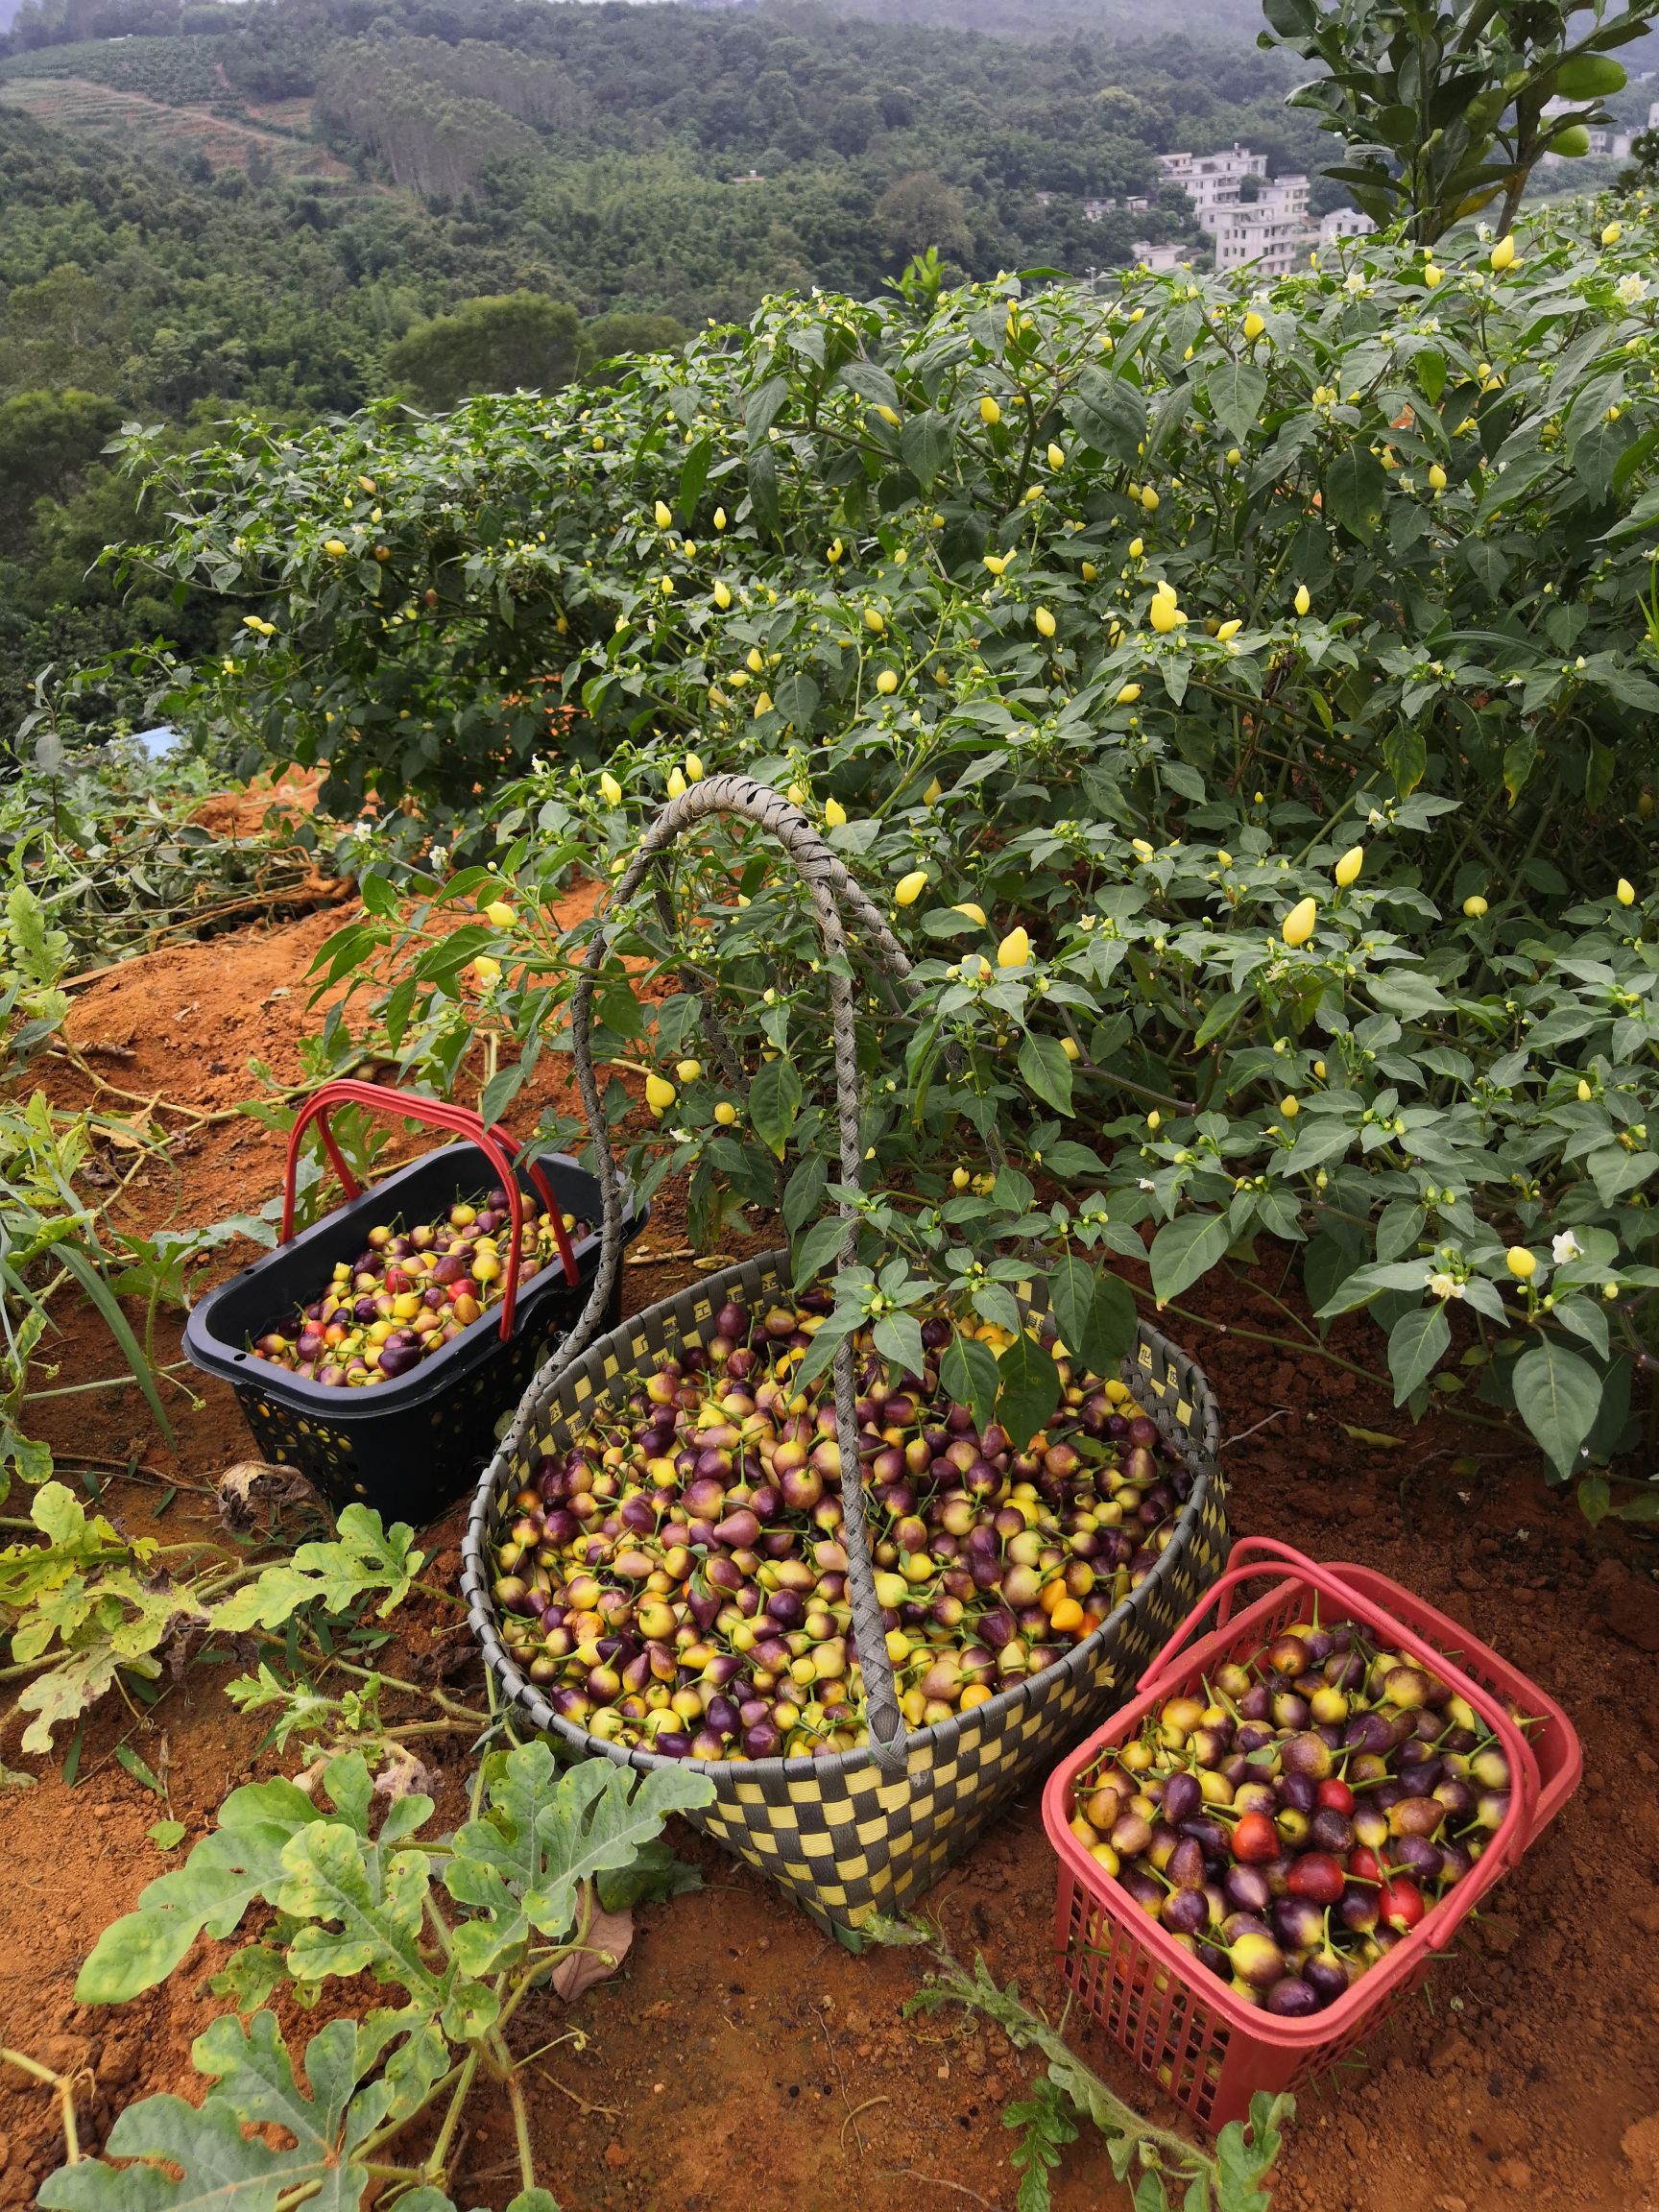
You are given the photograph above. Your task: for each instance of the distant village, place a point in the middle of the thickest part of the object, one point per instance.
(1248, 217)
(1255, 221)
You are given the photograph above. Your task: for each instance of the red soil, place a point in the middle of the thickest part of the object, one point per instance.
(740, 2056)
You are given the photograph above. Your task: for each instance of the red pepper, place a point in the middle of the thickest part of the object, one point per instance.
(1318, 1875)
(1335, 1794)
(1254, 1840)
(1401, 1904)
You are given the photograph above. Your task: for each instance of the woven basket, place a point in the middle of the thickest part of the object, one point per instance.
(869, 1830)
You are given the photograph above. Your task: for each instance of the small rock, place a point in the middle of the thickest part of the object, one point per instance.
(1450, 2051)
(1513, 2174)
(1646, 1918)
(1640, 2144)
(1451, 2205)
(616, 2156)
(1633, 1615)
(1469, 1578)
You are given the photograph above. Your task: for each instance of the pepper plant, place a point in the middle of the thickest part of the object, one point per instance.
(1236, 691)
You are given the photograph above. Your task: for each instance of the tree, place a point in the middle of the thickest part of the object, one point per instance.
(510, 341)
(613, 337)
(1447, 103)
(920, 211)
(46, 440)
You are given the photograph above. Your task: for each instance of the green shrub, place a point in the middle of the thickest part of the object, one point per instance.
(1182, 594)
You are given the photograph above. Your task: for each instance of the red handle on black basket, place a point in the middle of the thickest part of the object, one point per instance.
(1328, 1583)
(497, 1144)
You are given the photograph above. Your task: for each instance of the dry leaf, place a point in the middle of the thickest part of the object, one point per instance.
(403, 1773)
(604, 1939)
(239, 1485)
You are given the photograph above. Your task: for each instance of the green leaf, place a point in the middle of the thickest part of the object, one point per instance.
(1108, 412)
(897, 1337)
(1356, 486)
(1096, 1315)
(241, 1860)
(764, 502)
(762, 407)
(1557, 1395)
(1615, 1173)
(924, 442)
(1027, 1388)
(521, 1867)
(1585, 1319)
(796, 698)
(803, 1192)
(817, 1249)
(1399, 1226)
(127, 1758)
(1237, 389)
(652, 1876)
(693, 475)
(968, 1374)
(1046, 2128)
(223, 2166)
(774, 1102)
(1246, 2159)
(364, 1557)
(1416, 1345)
(167, 1835)
(331, 1875)
(1048, 1071)
(1360, 1284)
(1183, 1250)
(87, 1274)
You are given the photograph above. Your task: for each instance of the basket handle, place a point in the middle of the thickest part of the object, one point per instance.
(497, 1145)
(836, 899)
(1330, 1583)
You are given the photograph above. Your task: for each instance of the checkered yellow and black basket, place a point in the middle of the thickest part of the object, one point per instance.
(865, 1831)
(844, 1836)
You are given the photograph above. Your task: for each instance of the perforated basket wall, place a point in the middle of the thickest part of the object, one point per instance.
(409, 1461)
(1206, 2048)
(842, 1836)
(410, 1447)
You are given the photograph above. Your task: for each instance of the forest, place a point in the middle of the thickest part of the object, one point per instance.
(284, 214)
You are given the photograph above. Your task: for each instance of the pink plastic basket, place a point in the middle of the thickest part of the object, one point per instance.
(1208, 2049)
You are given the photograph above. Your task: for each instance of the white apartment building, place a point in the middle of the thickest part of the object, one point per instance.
(1150, 256)
(1271, 233)
(1211, 181)
(1344, 223)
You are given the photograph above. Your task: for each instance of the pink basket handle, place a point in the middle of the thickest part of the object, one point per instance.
(1522, 1763)
(498, 1146)
(1220, 1593)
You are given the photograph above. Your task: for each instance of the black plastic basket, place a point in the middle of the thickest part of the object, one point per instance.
(411, 1446)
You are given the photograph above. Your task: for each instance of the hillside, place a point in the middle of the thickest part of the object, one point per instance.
(267, 206)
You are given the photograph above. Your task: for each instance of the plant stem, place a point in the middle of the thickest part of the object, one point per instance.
(521, 2130)
(56, 2081)
(435, 2167)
